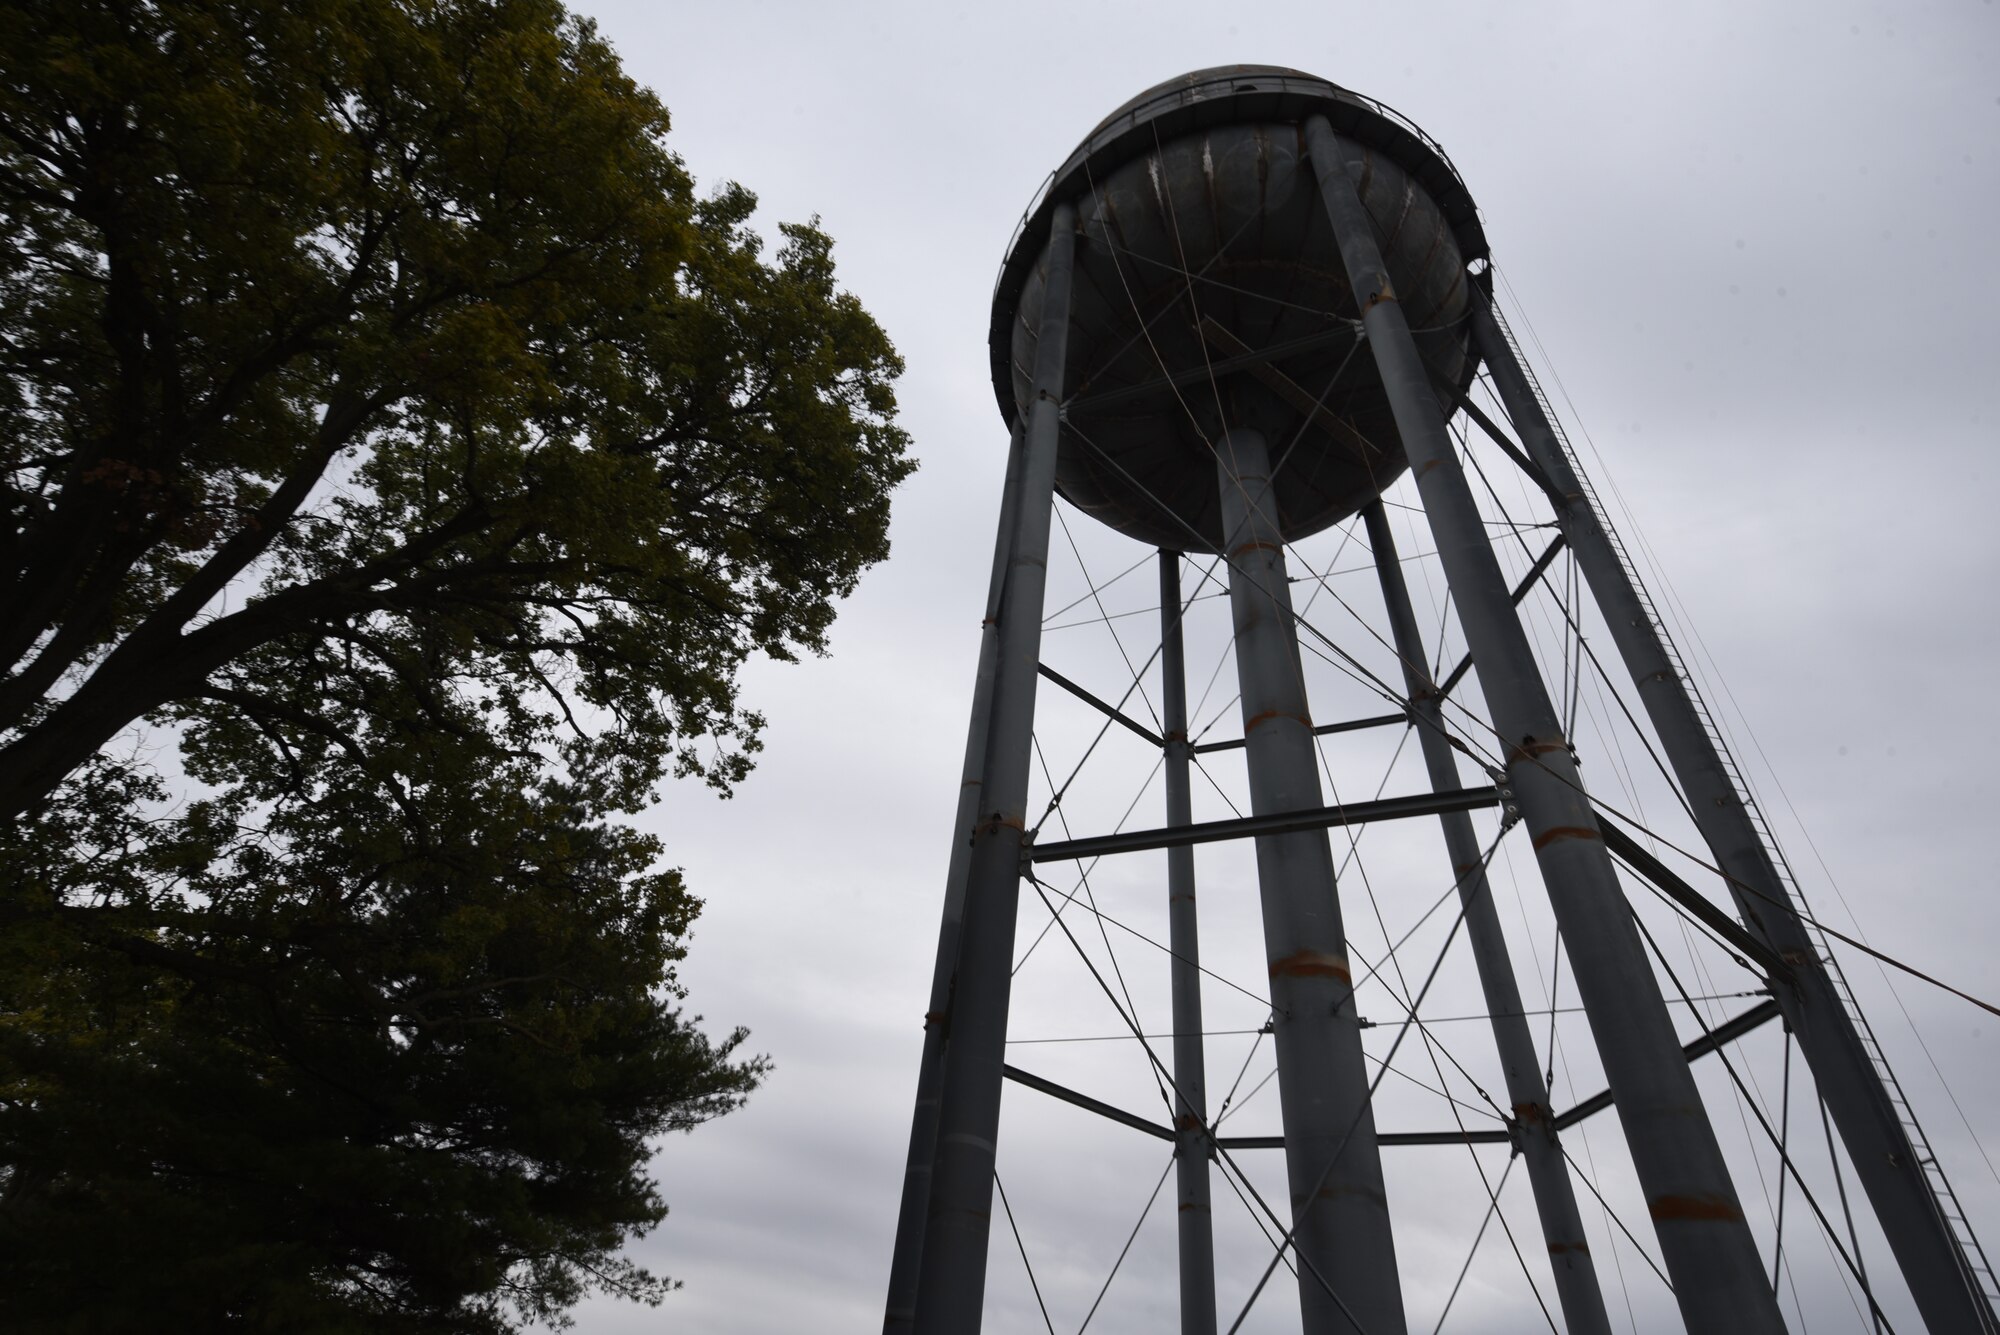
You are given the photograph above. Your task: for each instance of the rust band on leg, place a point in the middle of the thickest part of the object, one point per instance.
(1311, 964)
(1558, 833)
(1704, 1209)
(1257, 721)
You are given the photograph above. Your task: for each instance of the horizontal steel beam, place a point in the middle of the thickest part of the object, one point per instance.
(1109, 711)
(1323, 730)
(1497, 1136)
(1084, 1101)
(1645, 864)
(1283, 822)
(1535, 572)
(1514, 452)
(1726, 1032)
(1158, 1132)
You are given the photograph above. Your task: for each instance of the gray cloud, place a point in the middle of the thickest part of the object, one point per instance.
(1752, 241)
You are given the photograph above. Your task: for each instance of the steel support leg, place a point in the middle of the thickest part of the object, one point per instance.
(1332, 1163)
(1548, 1173)
(1888, 1166)
(901, 1311)
(1191, 1148)
(1718, 1277)
(951, 1287)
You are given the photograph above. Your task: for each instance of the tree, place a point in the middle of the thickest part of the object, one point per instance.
(401, 461)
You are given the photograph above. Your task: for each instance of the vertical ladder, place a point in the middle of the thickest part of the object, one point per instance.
(1971, 1256)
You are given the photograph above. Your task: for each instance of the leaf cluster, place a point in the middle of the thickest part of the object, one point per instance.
(402, 315)
(291, 1078)
(399, 462)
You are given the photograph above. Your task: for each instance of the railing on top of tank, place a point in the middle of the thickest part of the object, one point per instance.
(1380, 108)
(1389, 113)
(1020, 226)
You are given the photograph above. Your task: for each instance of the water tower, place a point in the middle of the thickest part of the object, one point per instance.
(1246, 304)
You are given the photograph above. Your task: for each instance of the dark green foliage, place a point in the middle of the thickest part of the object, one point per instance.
(390, 433)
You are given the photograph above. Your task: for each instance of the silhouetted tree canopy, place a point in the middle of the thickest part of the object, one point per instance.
(400, 462)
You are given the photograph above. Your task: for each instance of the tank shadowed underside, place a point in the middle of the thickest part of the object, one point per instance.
(1209, 293)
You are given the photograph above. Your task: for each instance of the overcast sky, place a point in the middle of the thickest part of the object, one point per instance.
(1754, 242)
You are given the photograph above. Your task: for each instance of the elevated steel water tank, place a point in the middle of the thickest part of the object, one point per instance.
(1209, 293)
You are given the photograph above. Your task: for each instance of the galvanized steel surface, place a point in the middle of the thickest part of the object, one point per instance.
(901, 1309)
(1340, 1210)
(951, 1286)
(1195, 1217)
